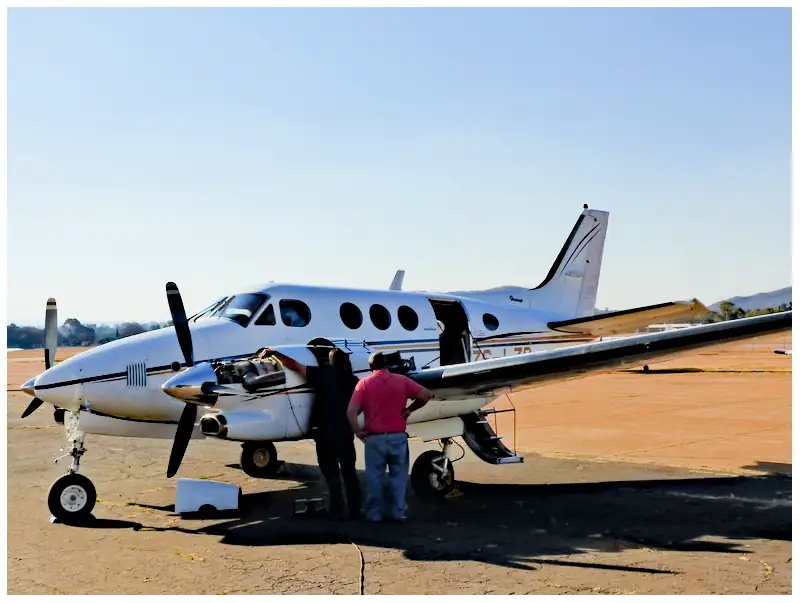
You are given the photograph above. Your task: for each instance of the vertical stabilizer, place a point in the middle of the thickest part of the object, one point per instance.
(570, 287)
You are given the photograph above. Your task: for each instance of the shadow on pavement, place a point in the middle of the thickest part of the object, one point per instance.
(516, 526)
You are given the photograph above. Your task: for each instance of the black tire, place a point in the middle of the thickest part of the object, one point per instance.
(72, 498)
(260, 459)
(428, 484)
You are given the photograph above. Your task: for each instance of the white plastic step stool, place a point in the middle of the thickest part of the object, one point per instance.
(192, 495)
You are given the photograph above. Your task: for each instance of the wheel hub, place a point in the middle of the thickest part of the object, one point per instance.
(73, 498)
(439, 479)
(261, 458)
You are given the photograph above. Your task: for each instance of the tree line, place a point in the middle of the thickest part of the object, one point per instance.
(730, 311)
(74, 333)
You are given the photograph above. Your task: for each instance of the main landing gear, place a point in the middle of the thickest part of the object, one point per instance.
(432, 475)
(72, 496)
(260, 459)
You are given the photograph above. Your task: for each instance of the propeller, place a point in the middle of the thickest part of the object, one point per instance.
(50, 345)
(35, 403)
(189, 415)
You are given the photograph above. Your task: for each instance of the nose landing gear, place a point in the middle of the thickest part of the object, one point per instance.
(72, 496)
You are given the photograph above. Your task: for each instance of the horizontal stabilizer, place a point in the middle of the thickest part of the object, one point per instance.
(628, 321)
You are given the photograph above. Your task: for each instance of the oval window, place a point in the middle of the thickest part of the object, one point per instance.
(408, 318)
(490, 322)
(380, 317)
(351, 315)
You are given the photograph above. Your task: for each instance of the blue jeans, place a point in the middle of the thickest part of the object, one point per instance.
(381, 450)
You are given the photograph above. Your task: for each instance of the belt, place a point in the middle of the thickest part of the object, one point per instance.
(373, 433)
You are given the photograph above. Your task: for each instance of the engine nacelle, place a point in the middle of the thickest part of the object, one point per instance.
(245, 425)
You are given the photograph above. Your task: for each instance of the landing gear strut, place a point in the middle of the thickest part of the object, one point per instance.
(72, 496)
(260, 459)
(432, 475)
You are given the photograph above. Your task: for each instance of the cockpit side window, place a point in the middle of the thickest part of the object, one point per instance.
(241, 308)
(294, 313)
(267, 317)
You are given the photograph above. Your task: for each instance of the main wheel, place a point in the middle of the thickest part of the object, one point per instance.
(260, 459)
(427, 481)
(71, 498)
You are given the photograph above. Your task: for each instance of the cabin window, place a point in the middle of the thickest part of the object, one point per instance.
(294, 313)
(267, 317)
(380, 316)
(490, 322)
(408, 318)
(351, 315)
(241, 308)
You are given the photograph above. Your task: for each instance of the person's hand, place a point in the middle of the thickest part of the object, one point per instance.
(361, 435)
(405, 413)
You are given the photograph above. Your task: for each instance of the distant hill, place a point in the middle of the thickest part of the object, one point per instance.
(770, 299)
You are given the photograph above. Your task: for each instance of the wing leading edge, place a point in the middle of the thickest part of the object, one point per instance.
(489, 377)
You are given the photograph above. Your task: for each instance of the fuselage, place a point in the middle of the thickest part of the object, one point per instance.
(123, 379)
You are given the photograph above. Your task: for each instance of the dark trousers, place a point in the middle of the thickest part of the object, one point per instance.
(336, 455)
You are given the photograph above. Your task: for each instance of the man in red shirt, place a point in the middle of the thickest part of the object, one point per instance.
(382, 397)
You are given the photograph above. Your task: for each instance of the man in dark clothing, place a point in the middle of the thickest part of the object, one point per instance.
(336, 453)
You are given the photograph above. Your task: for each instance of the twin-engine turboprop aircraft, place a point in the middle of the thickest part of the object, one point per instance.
(465, 349)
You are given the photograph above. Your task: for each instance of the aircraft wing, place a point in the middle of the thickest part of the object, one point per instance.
(500, 375)
(626, 321)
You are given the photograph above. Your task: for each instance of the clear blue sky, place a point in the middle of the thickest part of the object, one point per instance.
(224, 147)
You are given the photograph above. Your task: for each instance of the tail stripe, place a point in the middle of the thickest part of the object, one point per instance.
(561, 254)
(580, 247)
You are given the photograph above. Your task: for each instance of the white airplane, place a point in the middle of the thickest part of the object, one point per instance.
(467, 350)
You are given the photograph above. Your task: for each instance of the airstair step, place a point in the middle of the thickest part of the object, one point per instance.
(510, 459)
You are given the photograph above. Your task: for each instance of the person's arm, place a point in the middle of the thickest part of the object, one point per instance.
(419, 394)
(290, 363)
(354, 409)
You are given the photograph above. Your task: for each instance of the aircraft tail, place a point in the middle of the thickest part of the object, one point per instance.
(570, 287)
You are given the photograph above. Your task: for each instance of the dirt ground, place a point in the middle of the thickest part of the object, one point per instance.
(670, 482)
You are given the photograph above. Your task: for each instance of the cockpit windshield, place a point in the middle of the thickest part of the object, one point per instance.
(207, 312)
(240, 308)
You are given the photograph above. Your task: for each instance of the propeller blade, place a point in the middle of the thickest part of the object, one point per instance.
(50, 333)
(35, 403)
(182, 437)
(180, 323)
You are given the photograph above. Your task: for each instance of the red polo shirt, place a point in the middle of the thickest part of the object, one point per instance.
(383, 396)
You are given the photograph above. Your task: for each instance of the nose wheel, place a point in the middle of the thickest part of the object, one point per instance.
(72, 496)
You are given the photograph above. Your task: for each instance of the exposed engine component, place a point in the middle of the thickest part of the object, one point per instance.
(252, 373)
(396, 364)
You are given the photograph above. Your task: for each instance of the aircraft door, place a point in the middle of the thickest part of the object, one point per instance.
(454, 337)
